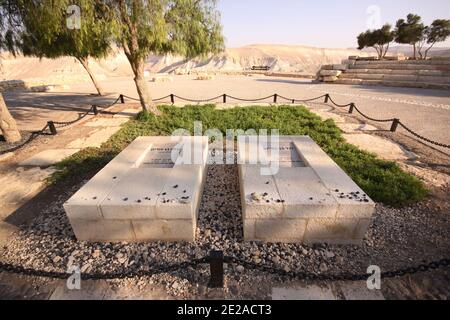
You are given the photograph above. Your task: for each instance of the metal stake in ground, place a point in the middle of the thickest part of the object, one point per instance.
(216, 269)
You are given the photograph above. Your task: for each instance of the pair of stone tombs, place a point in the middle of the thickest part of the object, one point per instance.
(150, 192)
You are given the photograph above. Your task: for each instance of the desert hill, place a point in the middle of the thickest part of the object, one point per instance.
(280, 58)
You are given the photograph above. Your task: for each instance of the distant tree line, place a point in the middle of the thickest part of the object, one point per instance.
(411, 31)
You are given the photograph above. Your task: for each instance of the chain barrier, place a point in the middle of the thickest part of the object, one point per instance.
(60, 124)
(342, 276)
(158, 269)
(422, 137)
(370, 118)
(52, 125)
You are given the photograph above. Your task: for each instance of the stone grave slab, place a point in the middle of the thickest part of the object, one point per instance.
(150, 192)
(304, 196)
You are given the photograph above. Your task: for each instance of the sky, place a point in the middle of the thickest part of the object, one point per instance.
(318, 23)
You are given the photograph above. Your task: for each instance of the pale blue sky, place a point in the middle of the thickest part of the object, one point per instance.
(320, 23)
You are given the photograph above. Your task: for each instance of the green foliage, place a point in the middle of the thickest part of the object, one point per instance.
(185, 27)
(378, 39)
(439, 31)
(40, 28)
(384, 181)
(410, 31)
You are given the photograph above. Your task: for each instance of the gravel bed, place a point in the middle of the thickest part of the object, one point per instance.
(397, 238)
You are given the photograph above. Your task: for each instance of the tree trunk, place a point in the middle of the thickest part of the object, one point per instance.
(428, 50)
(85, 63)
(8, 125)
(415, 51)
(145, 96)
(386, 51)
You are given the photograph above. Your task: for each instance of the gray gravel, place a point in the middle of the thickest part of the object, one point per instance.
(397, 238)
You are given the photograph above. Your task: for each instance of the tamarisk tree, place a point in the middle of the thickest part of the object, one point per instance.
(410, 31)
(188, 28)
(8, 126)
(378, 39)
(58, 28)
(438, 31)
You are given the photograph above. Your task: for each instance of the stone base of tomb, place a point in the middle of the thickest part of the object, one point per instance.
(308, 198)
(146, 193)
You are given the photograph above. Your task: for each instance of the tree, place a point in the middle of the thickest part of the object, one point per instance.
(8, 126)
(50, 29)
(438, 31)
(378, 39)
(410, 31)
(185, 27)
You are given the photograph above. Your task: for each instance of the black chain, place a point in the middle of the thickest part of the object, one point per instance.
(327, 96)
(339, 277)
(338, 105)
(251, 100)
(68, 123)
(32, 136)
(370, 118)
(157, 269)
(197, 100)
(422, 137)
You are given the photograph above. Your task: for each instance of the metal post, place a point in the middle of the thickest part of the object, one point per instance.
(172, 98)
(224, 98)
(327, 96)
(352, 106)
(216, 269)
(122, 99)
(52, 128)
(275, 98)
(394, 125)
(95, 109)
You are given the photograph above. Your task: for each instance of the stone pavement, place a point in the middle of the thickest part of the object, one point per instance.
(362, 135)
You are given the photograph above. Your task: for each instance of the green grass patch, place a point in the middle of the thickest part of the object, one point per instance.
(382, 180)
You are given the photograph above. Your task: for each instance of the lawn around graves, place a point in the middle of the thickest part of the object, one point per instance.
(382, 180)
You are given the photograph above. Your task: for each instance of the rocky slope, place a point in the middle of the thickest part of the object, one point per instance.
(280, 58)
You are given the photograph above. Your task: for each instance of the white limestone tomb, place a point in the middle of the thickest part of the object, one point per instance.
(150, 192)
(295, 193)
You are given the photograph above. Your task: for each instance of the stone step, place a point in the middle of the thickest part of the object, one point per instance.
(406, 84)
(397, 77)
(400, 72)
(419, 62)
(402, 66)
